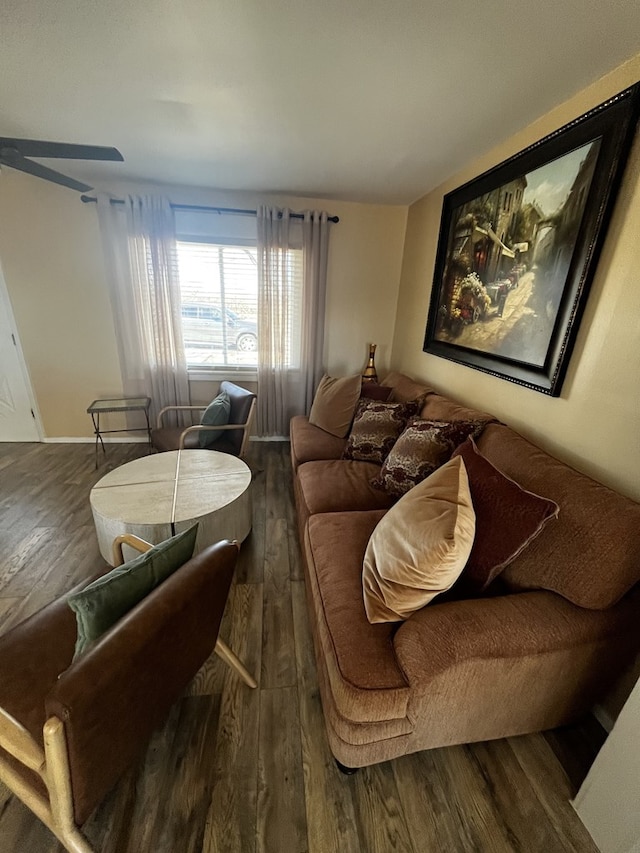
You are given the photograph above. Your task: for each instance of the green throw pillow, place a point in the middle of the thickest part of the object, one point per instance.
(216, 414)
(100, 604)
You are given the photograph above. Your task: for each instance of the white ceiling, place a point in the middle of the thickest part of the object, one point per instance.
(365, 100)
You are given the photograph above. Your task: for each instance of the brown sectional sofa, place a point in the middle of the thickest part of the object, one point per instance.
(535, 652)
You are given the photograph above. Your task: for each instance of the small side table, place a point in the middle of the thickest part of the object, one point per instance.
(119, 404)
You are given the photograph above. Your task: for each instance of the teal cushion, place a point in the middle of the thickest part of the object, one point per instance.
(216, 414)
(100, 604)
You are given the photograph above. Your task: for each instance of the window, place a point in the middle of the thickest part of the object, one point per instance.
(217, 265)
(219, 293)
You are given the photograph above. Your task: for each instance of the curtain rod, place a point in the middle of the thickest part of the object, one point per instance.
(87, 198)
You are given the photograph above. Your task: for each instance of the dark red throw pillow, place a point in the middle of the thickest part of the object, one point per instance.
(508, 518)
(373, 391)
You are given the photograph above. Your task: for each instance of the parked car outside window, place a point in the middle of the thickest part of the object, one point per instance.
(203, 324)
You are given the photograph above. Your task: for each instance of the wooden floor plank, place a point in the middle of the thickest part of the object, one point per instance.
(466, 811)
(250, 568)
(278, 648)
(231, 818)
(281, 821)
(553, 789)
(512, 796)
(327, 792)
(379, 813)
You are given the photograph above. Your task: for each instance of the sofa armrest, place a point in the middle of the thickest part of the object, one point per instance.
(442, 636)
(112, 698)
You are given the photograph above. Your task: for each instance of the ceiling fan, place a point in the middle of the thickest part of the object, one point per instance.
(14, 153)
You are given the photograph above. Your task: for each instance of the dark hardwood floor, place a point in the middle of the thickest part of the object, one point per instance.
(246, 770)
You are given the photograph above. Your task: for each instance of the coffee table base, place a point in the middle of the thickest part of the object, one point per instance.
(143, 496)
(230, 522)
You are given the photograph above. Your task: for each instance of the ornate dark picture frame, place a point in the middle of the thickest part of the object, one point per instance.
(518, 248)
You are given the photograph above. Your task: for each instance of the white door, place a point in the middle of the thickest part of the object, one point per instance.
(17, 407)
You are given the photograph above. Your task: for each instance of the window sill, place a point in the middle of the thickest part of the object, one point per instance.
(214, 374)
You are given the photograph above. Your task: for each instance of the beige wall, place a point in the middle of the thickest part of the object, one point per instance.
(595, 424)
(51, 256)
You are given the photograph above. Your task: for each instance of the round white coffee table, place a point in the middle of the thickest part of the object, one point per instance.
(158, 496)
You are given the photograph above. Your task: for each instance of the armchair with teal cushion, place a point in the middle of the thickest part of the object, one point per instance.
(234, 435)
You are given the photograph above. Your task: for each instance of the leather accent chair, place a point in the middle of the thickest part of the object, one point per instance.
(69, 729)
(236, 433)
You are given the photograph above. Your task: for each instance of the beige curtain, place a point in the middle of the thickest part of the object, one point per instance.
(292, 273)
(141, 261)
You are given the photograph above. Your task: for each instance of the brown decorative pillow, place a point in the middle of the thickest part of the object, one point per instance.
(419, 548)
(508, 518)
(334, 403)
(376, 427)
(373, 391)
(422, 447)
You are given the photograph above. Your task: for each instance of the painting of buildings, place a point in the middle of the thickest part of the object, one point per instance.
(508, 257)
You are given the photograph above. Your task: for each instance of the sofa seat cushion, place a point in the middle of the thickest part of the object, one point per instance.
(366, 682)
(340, 485)
(591, 554)
(309, 442)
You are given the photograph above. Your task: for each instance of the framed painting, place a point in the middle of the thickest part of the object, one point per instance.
(518, 248)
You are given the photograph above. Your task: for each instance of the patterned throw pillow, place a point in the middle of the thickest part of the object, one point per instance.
(422, 447)
(376, 427)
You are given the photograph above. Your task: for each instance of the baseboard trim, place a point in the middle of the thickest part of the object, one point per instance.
(269, 438)
(91, 440)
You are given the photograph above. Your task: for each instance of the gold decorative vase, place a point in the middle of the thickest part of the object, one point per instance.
(369, 373)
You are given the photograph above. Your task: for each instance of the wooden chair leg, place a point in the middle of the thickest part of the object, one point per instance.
(223, 651)
(59, 784)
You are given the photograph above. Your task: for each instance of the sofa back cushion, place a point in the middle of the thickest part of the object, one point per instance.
(591, 553)
(404, 388)
(438, 408)
(334, 404)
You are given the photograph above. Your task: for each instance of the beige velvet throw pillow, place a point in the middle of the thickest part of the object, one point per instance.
(334, 404)
(420, 547)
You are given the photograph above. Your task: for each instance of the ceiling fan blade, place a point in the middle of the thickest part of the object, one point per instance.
(64, 150)
(15, 161)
